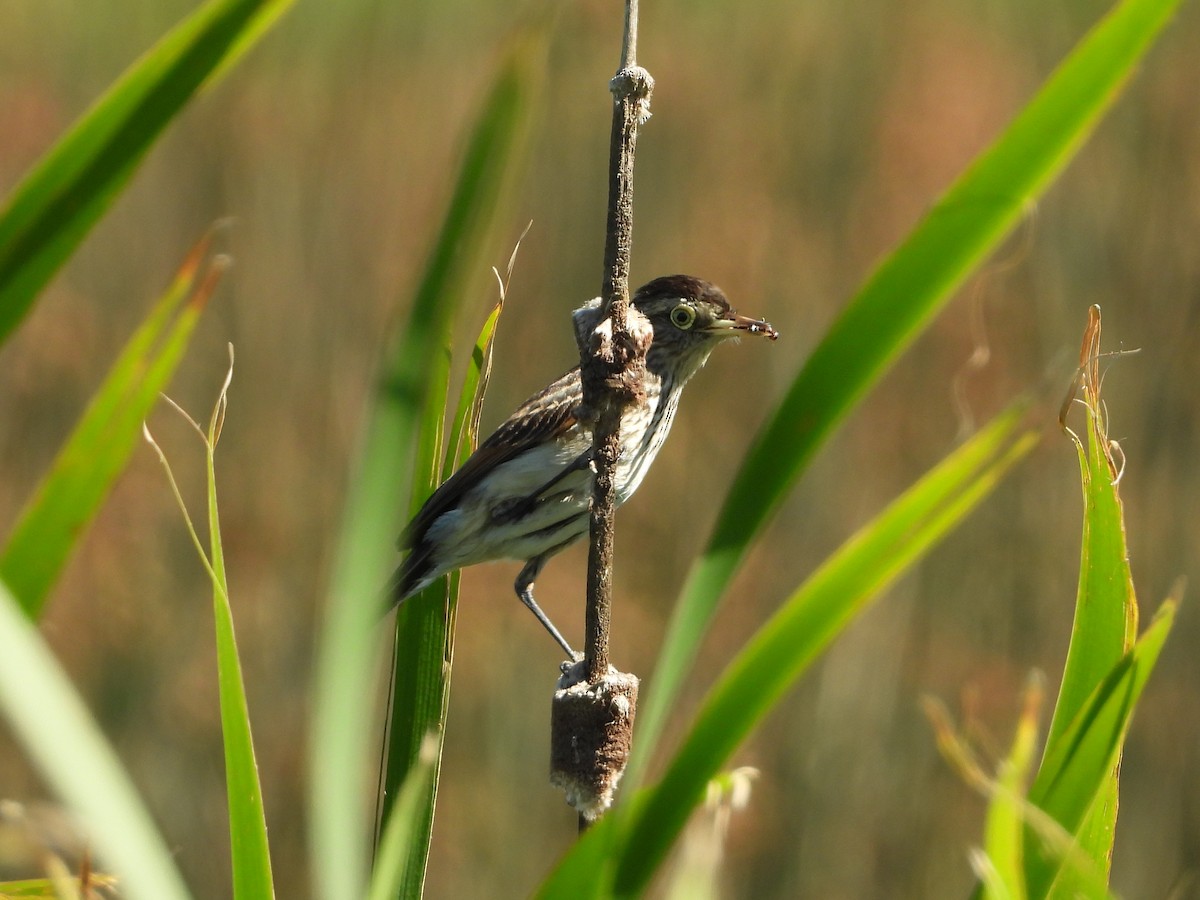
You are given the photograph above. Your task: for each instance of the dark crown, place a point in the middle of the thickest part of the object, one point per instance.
(672, 288)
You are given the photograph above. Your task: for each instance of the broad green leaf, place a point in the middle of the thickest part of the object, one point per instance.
(1104, 629)
(50, 721)
(98, 449)
(1076, 770)
(51, 211)
(897, 302)
(1106, 610)
(376, 507)
(250, 853)
(783, 648)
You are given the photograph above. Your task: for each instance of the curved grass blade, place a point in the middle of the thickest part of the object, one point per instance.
(375, 510)
(809, 620)
(900, 298)
(249, 849)
(49, 212)
(63, 741)
(807, 623)
(99, 447)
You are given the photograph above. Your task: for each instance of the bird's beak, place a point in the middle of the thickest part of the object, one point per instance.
(737, 325)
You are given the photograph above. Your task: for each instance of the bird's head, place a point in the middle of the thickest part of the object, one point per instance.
(690, 317)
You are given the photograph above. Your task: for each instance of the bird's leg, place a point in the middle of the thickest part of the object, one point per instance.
(512, 510)
(524, 589)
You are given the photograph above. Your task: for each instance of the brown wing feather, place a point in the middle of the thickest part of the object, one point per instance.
(543, 416)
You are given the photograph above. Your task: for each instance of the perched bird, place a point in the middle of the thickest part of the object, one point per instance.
(525, 492)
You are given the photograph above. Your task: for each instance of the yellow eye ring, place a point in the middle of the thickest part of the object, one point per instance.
(683, 316)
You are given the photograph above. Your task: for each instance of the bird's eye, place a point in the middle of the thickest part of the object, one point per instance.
(683, 316)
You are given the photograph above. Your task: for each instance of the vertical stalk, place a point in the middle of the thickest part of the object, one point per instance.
(613, 366)
(591, 722)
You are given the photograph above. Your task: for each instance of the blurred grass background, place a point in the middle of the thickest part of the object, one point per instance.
(792, 144)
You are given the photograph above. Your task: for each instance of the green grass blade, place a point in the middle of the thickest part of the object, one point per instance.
(41, 888)
(1106, 613)
(63, 886)
(1004, 836)
(63, 741)
(424, 655)
(585, 872)
(891, 309)
(807, 623)
(98, 449)
(344, 685)
(376, 508)
(1078, 766)
(470, 397)
(425, 626)
(1106, 610)
(249, 849)
(421, 693)
(402, 824)
(782, 649)
(431, 427)
(49, 212)
(250, 853)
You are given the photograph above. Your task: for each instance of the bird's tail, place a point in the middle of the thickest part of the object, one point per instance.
(412, 575)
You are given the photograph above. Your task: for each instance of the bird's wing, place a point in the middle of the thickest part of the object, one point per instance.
(543, 416)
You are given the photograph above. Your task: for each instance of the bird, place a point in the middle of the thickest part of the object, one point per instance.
(525, 492)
